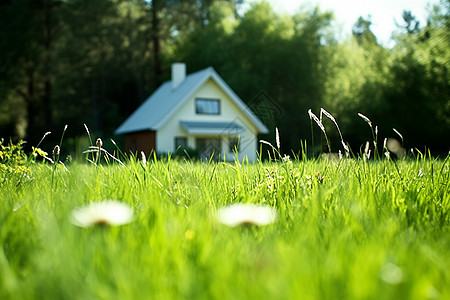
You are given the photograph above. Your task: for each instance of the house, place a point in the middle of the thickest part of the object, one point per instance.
(198, 111)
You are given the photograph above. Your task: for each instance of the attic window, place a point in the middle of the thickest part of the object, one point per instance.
(207, 106)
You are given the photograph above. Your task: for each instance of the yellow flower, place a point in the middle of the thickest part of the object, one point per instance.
(38, 151)
(189, 234)
(21, 169)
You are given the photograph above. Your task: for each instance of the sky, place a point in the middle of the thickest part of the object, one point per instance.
(346, 12)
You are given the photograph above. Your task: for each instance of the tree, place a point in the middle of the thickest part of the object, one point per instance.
(419, 93)
(362, 32)
(411, 24)
(28, 66)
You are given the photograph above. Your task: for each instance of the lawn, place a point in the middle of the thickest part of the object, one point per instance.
(345, 229)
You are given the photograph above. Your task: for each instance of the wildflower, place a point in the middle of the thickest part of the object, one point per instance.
(189, 234)
(38, 151)
(246, 214)
(107, 213)
(391, 274)
(22, 169)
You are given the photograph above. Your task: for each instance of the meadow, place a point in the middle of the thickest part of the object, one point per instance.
(345, 229)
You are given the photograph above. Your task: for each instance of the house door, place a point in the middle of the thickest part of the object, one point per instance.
(208, 147)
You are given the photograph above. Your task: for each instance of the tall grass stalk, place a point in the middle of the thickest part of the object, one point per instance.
(399, 134)
(344, 145)
(374, 134)
(312, 132)
(320, 124)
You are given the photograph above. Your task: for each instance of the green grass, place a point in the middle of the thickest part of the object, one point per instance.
(345, 230)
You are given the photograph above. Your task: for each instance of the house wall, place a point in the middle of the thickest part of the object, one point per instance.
(229, 112)
(136, 142)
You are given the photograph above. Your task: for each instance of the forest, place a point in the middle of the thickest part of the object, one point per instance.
(76, 62)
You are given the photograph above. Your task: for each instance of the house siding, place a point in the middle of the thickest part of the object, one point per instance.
(229, 112)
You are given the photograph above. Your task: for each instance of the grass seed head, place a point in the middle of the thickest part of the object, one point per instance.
(56, 150)
(144, 159)
(265, 142)
(398, 133)
(99, 143)
(277, 138)
(87, 129)
(365, 119)
(346, 148)
(366, 149)
(329, 116)
(318, 122)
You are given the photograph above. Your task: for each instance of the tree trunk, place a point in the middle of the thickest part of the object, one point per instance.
(157, 66)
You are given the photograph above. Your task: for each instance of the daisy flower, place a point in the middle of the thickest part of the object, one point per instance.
(246, 214)
(107, 213)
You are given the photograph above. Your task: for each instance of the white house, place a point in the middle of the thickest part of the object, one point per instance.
(198, 111)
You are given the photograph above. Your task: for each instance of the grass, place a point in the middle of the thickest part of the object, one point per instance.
(348, 229)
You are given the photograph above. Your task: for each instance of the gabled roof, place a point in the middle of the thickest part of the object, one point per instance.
(165, 101)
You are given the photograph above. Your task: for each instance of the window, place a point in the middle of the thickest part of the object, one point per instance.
(209, 148)
(233, 143)
(180, 142)
(207, 106)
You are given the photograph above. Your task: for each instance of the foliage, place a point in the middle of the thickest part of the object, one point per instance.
(419, 69)
(93, 62)
(15, 164)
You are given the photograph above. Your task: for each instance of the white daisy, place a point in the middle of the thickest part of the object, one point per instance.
(107, 213)
(246, 214)
(391, 274)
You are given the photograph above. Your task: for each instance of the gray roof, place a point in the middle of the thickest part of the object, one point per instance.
(165, 101)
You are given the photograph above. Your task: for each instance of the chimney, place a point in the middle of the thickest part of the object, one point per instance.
(178, 74)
